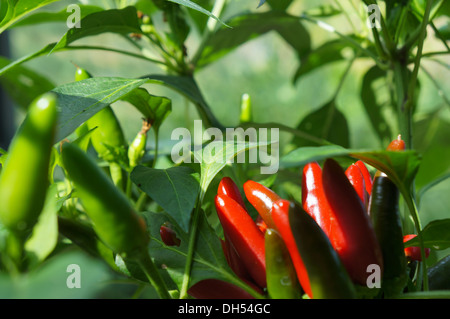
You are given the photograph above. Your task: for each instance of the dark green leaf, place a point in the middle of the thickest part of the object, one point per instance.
(154, 108)
(249, 26)
(208, 262)
(122, 21)
(174, 189)
(78, 101)
(435, 235)
(373, 107)
(327, 123)
(22, 84)
(187, 86)
(281, 5)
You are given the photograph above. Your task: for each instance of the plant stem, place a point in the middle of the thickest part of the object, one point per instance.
(151, 272)
(191, 251)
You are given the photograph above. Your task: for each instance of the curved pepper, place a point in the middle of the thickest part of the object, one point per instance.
(282, 282)
(385, 216)
(25, 175)
(245, 236)
(366, 175)
(113, 216)
(229, 188)
(360, 247)
(262, 198)
(328, 278)
(280, 215)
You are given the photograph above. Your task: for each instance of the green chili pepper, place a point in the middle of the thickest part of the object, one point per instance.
(327, 275)
(24, 180)
(385, 216)
(113, 216)
(108, 135)
(25, 175)
(282, 282)
(114, 219)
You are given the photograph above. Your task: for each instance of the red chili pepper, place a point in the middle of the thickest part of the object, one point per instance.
(356, 178)
(360, 247)
(262, 198)
(368, 181)
(280, 215)
(315, 203)
(168, 235)
(244, 235)
(229, 188)
(413, 253)
(217, 289)
(397, 144)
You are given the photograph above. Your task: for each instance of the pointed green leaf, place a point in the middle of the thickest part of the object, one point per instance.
(174, 189)
(122, 21)
(154, 108)
(435, 235)
(78, 101)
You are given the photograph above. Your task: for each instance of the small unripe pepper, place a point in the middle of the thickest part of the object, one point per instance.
(137, 148)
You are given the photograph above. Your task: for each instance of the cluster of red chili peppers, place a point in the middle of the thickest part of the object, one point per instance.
(337, 201)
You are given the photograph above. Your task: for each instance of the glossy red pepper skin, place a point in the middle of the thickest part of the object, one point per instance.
(262, 198)
(168, 235)
(229, 188)
(315, 203)
(397, 145)
(356, 178)
(360, 247)
(244, 235)
(280, 214)
(368, 181)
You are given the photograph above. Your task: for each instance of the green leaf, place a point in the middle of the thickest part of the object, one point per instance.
(78, 101)
(17, 9)
(174, 189)
(373, 108)
(208, 262)
(60, 16)
(22, 84)
(327, 123)
(249, 26)
(154, 108)
(194, 6)
(215, 155)
(122, 21)
(328, 52)
(401, 167)
(280, 5)
(187, 86)
(435, 235)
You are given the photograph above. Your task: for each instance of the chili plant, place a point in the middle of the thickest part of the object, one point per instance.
(79, 191)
